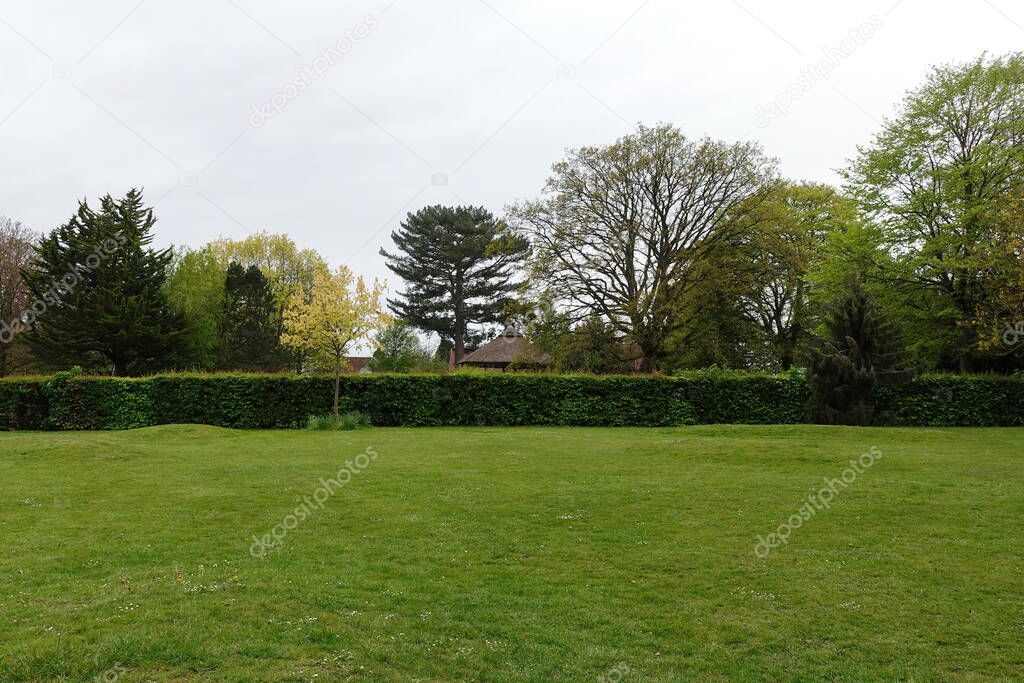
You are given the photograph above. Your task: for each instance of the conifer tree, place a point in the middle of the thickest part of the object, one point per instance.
(249, 327)
(458, 264)
(862, 351)
(98, 291)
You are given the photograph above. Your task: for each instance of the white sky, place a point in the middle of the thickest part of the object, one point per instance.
(98, 97)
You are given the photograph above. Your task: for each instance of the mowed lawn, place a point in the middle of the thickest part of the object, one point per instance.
(511, 554)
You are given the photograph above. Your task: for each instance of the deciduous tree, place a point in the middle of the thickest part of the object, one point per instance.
(936, 179)
(623, 228)
(776, 258)
(195, 290)
(400, 350)
(16, 250)
(341, 310)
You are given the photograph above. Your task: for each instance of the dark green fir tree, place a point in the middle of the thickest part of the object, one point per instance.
(458, 264)
(249, 327)
(98, 291)
(862, 351)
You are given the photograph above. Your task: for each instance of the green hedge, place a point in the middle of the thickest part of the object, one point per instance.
(267, 402)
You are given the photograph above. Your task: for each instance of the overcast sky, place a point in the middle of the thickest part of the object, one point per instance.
(415, 102)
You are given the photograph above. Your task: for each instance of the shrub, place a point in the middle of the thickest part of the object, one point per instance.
(344, 422)
(282, 402)
(322, 423)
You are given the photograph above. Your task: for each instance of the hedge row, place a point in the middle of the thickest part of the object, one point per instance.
(267, 402)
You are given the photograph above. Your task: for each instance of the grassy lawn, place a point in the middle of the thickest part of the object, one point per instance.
(511, 554)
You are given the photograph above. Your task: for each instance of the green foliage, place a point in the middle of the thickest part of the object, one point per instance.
(280, 402)
(399, 350)
(291, 271)
(624, 230)
(458, 265)
(195, 290)
(937, 180)
(781, 250)
(862, 351)
(100, 295)
(953, 400)
(250, 324)
(24, 404)
(591, 346)
(344, 422)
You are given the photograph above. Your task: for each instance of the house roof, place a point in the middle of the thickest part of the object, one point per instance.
(508, 347)
(356, 364)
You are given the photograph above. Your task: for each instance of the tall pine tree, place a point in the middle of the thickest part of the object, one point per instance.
(98, 291)
(250, 323)
(458, 264)
(861, 351)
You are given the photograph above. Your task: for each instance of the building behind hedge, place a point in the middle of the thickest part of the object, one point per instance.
(510, 349)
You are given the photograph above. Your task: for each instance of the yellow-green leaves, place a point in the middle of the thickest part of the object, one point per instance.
(340, 311)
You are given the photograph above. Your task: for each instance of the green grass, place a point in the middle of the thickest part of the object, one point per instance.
(511, 554)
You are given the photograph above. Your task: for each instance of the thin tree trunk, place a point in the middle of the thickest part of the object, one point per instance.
(966, 364)
(460, 325)
(648, 364)
(460, 344)
(337, 390)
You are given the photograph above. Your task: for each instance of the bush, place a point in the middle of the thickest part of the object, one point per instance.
(280, 402)
(345, 422)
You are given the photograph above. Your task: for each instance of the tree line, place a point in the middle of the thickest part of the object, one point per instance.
(656, 252)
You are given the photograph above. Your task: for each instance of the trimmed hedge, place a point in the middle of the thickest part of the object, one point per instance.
(66, 402)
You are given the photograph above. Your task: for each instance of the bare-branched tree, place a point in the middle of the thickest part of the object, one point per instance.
(623, 230)
(16, 251)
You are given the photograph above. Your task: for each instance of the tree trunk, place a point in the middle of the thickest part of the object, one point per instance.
(337, 390)
(3, 359)
(966, 364)
(459, 340)
(787, 354)
(648, 363)
(460, 344)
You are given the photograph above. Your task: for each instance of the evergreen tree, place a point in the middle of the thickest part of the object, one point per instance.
(862, 351)
(458, 265)
(249, 327)
(99, 293)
